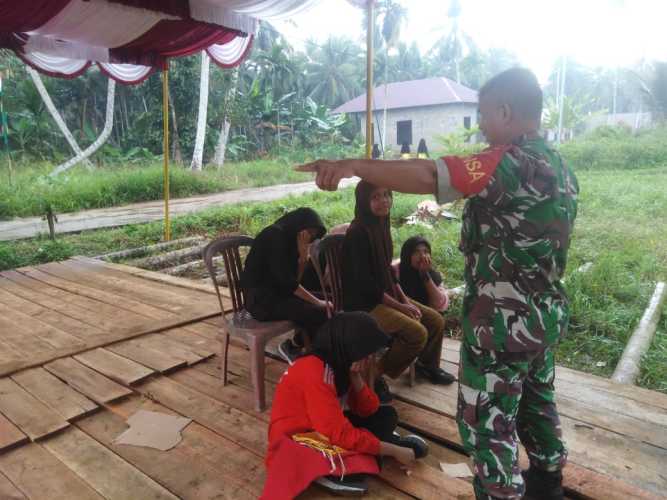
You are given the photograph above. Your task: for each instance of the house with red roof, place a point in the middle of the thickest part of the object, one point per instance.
(417, 109)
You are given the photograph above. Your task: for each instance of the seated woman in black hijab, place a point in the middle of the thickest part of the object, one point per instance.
(272, 274)
(326, 422)
(417, 277)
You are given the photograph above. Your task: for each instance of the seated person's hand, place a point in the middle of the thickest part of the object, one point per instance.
(405, 455)
(411, 311)
(325, 304)
(425, 264)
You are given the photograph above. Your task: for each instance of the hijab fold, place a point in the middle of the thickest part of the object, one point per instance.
(378, 230)
(344, 339)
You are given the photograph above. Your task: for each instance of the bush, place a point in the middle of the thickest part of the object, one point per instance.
(617, 148)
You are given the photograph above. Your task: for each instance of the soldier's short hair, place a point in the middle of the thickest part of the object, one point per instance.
(519, 88)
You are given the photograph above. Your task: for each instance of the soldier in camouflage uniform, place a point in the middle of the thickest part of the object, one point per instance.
(517, 223)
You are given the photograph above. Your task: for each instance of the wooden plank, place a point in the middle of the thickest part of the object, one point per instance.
(8, 491)
(74, 327)
(203, 465)
(203, 346)
(39, 475)
(94, 385)
(229, 422)
(110, 475)
(29, 326)
(10, 435)
(157, 360)
(125, 328)
(613, 454)
(166, 345)
(29, 414)
(54, 393)
(116, 367)
(164, 296)
(21, 344)
(151, 275)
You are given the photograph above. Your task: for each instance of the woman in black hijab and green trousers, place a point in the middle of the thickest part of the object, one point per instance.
(273, 271)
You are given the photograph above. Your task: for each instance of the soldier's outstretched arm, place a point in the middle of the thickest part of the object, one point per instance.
(448, 178)
(406, 176)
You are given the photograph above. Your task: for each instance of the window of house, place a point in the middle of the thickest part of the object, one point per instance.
(404, 132)
(466, 122)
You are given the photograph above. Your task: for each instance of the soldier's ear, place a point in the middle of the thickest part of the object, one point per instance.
(506, 112)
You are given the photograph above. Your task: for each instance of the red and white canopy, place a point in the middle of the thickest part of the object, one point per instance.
(129, 39)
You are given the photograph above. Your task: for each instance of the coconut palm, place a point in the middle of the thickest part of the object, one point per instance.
(334, 71)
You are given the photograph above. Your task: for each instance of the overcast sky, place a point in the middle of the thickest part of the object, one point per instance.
(592, 32)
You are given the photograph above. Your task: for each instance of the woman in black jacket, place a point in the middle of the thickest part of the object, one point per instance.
(273, 271)
(369, 285)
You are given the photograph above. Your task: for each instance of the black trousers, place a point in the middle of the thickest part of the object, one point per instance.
(306, 315)
(382, 423)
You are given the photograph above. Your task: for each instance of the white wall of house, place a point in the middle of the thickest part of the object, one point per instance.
(427, 122)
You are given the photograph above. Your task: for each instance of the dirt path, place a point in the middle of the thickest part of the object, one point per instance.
(29, 227)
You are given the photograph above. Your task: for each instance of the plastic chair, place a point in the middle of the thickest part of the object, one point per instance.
(331, 277)
(239, 322)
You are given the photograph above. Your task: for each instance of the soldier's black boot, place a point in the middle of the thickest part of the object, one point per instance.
(543, 485)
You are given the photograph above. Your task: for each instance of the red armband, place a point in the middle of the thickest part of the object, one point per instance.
(470, 174)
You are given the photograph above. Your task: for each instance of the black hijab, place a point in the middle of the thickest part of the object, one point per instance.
(344, 339)
(412, 282)
(378, 230)
(300, 219)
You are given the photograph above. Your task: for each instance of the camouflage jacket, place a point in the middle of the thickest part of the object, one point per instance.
(515, 237)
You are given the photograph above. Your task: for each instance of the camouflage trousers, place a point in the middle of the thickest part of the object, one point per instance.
(502, 395)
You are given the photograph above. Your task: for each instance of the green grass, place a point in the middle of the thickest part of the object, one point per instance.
(32, 190)
(621, 229)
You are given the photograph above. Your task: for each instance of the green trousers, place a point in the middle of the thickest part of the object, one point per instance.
(411, 338)
(502, 396)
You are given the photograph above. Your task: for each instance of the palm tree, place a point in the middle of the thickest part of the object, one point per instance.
(453, 46)
(334, 71)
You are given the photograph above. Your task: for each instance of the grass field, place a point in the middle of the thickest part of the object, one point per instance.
(621, 230)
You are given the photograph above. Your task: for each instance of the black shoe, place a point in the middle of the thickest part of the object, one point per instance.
(435, 375)
(348, 486)
(418, 445)
(543, 485)
(382, 390)
(289, 351)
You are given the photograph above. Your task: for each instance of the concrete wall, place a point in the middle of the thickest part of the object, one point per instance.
(427, 122)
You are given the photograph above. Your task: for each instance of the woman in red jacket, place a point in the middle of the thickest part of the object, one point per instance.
(326, 423)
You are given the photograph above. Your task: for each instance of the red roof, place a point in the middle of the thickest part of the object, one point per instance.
(413, 93)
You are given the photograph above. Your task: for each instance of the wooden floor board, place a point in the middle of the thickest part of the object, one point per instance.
(155, 359)
(10, 435)
(118, 368)
(33, 417)
(110, 475)
(54, 393)
(8, 491)
(40, 475)
(87, 381)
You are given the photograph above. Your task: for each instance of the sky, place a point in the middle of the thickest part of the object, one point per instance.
(606, 33)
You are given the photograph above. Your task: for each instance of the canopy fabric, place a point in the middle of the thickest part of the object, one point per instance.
(129, 39)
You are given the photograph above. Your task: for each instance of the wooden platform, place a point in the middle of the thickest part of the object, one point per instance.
(84, 345)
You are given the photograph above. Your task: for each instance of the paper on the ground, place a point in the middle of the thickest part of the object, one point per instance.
(456, 470)
(153, 430)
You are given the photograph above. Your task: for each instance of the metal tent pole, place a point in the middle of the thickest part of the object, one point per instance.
(165, 149)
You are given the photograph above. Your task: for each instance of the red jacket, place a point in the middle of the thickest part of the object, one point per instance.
(306, 400)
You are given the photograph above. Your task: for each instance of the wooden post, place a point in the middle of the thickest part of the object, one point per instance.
(369, 80)
(627, 368)
(165, 149)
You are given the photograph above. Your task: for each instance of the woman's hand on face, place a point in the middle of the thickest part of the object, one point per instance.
(425, 264)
